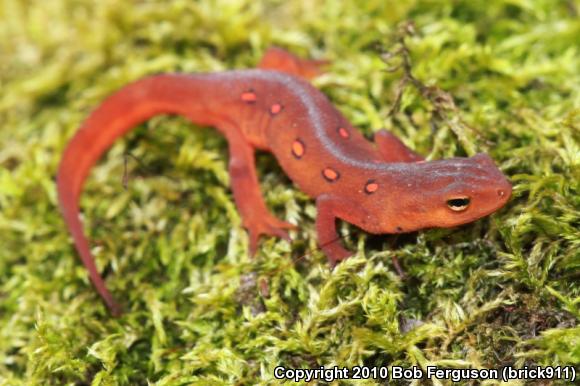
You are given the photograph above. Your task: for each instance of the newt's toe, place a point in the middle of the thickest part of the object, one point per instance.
(268, 226)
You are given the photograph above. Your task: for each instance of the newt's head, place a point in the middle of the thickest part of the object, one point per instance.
(446, 193)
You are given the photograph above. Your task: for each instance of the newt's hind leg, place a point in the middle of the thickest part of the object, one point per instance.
(393, 150)
(256, 217)
(280, 60)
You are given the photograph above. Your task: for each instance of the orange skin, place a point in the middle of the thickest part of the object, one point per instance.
(381, 187)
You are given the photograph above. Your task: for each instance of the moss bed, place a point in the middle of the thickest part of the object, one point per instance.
(501, 77)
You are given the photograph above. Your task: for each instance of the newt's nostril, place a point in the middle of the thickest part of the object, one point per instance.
(501, 192)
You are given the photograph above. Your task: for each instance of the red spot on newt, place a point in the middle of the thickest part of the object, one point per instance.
(343, 132)
(371, 186)
(275, 108)
(330, 174)
(298, 148)
(249, 96)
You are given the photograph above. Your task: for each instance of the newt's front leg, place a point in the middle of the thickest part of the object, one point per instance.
(280, 60)
(328, 210)
(392, 149)
(256, 217)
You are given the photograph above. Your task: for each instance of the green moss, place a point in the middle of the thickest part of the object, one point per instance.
(199, 310)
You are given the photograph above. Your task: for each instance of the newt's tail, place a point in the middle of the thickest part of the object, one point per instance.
(132, 105)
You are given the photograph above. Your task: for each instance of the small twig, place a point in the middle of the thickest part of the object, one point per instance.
(442, 101)
(398, 267)
(125, 180)
(318, 248)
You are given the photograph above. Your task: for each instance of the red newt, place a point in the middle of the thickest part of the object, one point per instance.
(381, 187)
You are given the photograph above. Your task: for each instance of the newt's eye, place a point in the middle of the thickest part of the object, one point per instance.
(458, 204)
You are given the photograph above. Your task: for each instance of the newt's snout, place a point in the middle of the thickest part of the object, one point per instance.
(497, 190)
(502, 186)
(504, 191)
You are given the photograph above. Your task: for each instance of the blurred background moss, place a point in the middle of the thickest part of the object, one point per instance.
(502, 291)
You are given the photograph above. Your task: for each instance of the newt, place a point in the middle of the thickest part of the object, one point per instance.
(380, 186)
